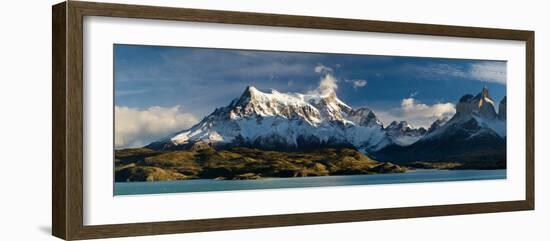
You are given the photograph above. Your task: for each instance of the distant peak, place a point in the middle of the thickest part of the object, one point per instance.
(399, 124)
(442, 119)
(485, 92)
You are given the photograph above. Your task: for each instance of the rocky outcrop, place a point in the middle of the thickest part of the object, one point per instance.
(502, 109)
(404, 134)
(364, 117)
(481, 105)
(473, 134)
(437, 123)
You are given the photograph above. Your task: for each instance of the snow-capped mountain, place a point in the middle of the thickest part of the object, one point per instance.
(283, 121)
(475, 132)
(403, 134)
(479, 111)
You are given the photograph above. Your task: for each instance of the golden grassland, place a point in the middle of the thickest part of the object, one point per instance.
(237, 163)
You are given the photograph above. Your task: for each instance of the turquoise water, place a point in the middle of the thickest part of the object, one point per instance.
(208, 185)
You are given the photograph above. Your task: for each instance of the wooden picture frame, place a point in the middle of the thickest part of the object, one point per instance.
(67, 152)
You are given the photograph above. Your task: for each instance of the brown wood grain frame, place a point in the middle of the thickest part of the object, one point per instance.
(67, 136)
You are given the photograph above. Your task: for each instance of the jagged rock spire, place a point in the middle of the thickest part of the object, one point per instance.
(485, 92)
(502, 109)
(482, 104)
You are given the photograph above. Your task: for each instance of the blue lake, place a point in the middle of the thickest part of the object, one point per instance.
(208, 185)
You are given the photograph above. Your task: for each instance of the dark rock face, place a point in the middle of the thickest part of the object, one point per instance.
(465, 142)
(474, 135)
(502, 109)
(437, 123)
(481, 105)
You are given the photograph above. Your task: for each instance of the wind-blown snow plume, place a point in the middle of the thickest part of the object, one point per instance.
(328, 82)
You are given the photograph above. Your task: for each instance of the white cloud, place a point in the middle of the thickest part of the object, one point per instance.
(358, 83)
(416, 113)
(135, 127)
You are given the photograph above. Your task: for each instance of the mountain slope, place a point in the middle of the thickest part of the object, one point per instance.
(283, 121)
(475, 133)
(403, 134)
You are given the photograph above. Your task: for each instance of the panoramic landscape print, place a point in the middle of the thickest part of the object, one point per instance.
(199, 119)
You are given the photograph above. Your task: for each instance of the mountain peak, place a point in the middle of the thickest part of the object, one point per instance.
(283, 120)
(485, 92)
(250, 91)
(482, 105)
(364, 117)
(403, 134)
(399, 125)
(484, 96)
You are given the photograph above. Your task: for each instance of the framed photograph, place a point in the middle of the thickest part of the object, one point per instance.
(171, 120)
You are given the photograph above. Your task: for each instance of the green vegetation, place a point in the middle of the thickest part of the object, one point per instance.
(241, 163)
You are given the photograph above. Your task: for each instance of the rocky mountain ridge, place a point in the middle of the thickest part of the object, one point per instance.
(298, 122)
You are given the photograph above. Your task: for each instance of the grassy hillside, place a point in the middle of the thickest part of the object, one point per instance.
(237, 163)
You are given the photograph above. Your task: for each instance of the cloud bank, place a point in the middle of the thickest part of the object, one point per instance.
(136, 128)
(416, 113)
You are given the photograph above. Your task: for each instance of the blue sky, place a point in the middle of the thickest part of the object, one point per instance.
(194, 81)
